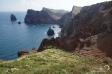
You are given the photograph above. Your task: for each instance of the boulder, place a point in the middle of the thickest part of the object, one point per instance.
(50, 32)
(13, 17)
(33, 50)
(23, 52)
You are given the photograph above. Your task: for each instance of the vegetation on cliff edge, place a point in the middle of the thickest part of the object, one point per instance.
(56, 61)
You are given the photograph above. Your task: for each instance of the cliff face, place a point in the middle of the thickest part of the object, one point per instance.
(66, 17)
(92, 27)
(91, 20)
(38, 17)
(55, 14)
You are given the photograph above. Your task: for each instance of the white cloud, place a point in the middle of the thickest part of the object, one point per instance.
(23, 5)
(28, 4)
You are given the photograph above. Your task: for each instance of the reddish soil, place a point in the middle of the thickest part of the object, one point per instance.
(103, 49)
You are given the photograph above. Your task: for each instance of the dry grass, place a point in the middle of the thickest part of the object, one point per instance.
(56, 61)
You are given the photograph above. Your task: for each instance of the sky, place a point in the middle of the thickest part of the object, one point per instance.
(23, 5)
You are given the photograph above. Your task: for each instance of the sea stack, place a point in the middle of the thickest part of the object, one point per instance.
(13, 17)
(50, 31)
(19, 22)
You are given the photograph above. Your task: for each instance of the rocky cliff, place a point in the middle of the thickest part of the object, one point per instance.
(55, 14)
(91, 20)
(92, 27)
(38, 17)
(87, 33)
(65, 18)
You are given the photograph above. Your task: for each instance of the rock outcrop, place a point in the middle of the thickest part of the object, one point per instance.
(23, 52)
(38, 17)
(26, 52)
(46, 42)
(66, 17)
(55, 14)
(50, 32)
(13, 17)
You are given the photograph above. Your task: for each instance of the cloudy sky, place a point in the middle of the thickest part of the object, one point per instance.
(23, 5)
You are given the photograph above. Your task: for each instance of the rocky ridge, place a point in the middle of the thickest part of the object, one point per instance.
(87, 29)
(38, 17)
(55, 14)
(66, 17)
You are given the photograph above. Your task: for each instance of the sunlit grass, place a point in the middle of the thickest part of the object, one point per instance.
(55, 61)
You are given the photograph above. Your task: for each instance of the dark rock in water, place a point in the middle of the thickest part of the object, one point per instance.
(53, 26)
(13, 17)
(19, 22)
(38, 17)
(50, 32)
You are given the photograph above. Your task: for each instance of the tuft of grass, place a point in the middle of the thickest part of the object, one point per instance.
(56, 61)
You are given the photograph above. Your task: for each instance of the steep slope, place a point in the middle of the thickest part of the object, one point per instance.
(38, 17)
(85, 28)
(56, 14)
(66, 17)
(75, 10)
(91, 19)
(56, 61)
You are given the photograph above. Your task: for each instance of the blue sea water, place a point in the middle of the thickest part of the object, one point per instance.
(15, 37)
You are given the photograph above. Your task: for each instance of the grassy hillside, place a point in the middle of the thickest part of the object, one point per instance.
(56, 61)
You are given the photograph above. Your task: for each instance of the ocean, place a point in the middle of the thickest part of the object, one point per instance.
(15, 37)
